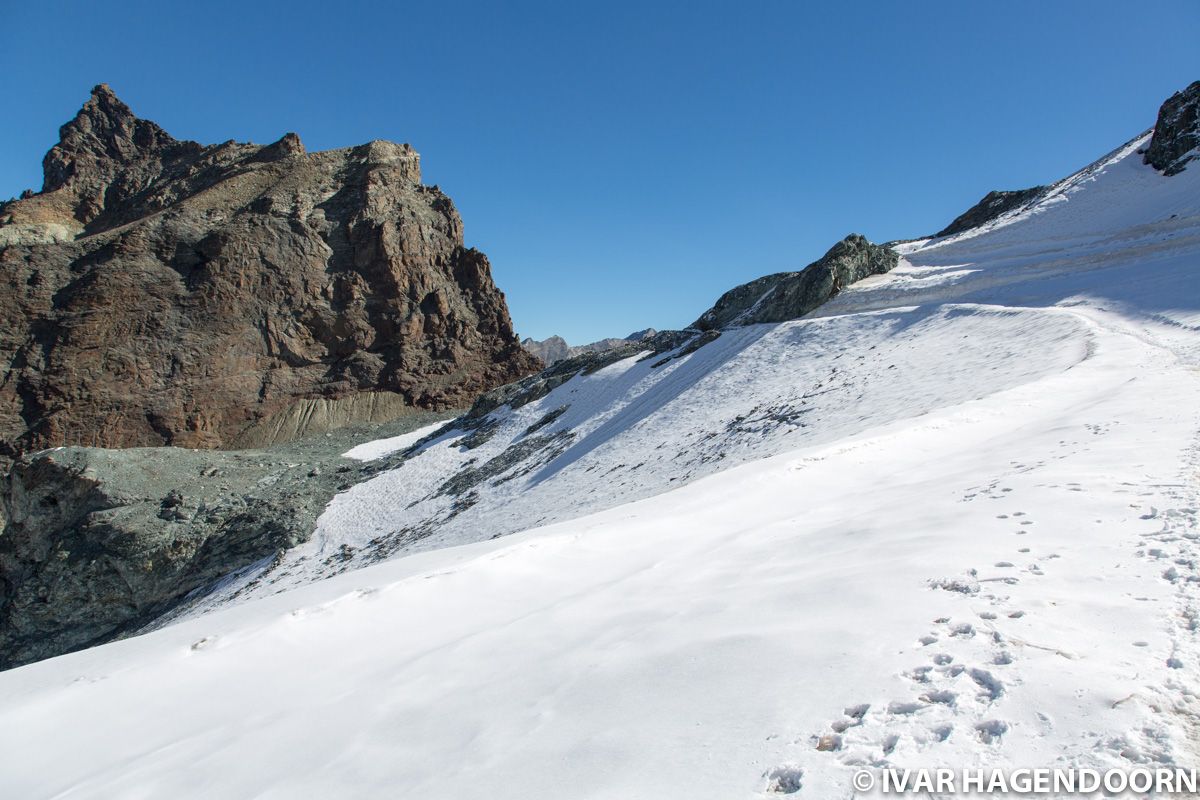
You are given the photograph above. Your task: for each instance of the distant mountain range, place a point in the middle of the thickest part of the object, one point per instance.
(555, 348)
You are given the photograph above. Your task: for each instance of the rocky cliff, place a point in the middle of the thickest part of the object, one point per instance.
(159, 291)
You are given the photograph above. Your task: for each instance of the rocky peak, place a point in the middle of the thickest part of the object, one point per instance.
(106, 154)
(104, 129)
(288, 146)
(401, 158)
(1176, 139)
(159, 291)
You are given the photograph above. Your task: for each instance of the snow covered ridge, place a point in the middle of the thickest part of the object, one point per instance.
(948, 520)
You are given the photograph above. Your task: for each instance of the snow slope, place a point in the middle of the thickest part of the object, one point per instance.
(952, 520)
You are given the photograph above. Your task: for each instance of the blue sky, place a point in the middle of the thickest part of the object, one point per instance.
(622, 164)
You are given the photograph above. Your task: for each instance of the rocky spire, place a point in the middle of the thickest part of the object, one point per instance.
(104, 129)
(106, 152)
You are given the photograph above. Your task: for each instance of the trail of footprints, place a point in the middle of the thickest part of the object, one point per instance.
(1174, 551)
(969, 659)
(966, 666)
(952, 694)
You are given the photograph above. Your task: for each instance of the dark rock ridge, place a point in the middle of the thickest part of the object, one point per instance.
(1174, 143)
(159, 291)
(774, 298)
(1176, 139)
(991, 206)
(99, 543)
(791, 295)
(555, 348)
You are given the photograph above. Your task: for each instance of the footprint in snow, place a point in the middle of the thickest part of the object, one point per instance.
(964, 630)
(992, 688)
(940, 696)
(941, 732)
(991, 730)
(785, 779)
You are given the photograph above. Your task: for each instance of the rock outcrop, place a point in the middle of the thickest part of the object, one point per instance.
(791, 295)
(1176, 139)
(555, 348)
(159, 291)
(99, 543)
(991, 206)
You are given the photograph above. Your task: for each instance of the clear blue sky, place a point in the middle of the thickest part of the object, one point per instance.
(622, 164)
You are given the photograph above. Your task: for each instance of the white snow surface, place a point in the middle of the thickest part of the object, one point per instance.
(948, 520)
(378, 448)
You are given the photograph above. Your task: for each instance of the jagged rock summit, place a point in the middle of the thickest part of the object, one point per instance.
(159, 291)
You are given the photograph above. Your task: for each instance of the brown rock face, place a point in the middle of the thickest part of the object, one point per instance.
(165, 292)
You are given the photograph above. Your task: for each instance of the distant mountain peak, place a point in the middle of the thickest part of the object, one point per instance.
(555, 348)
